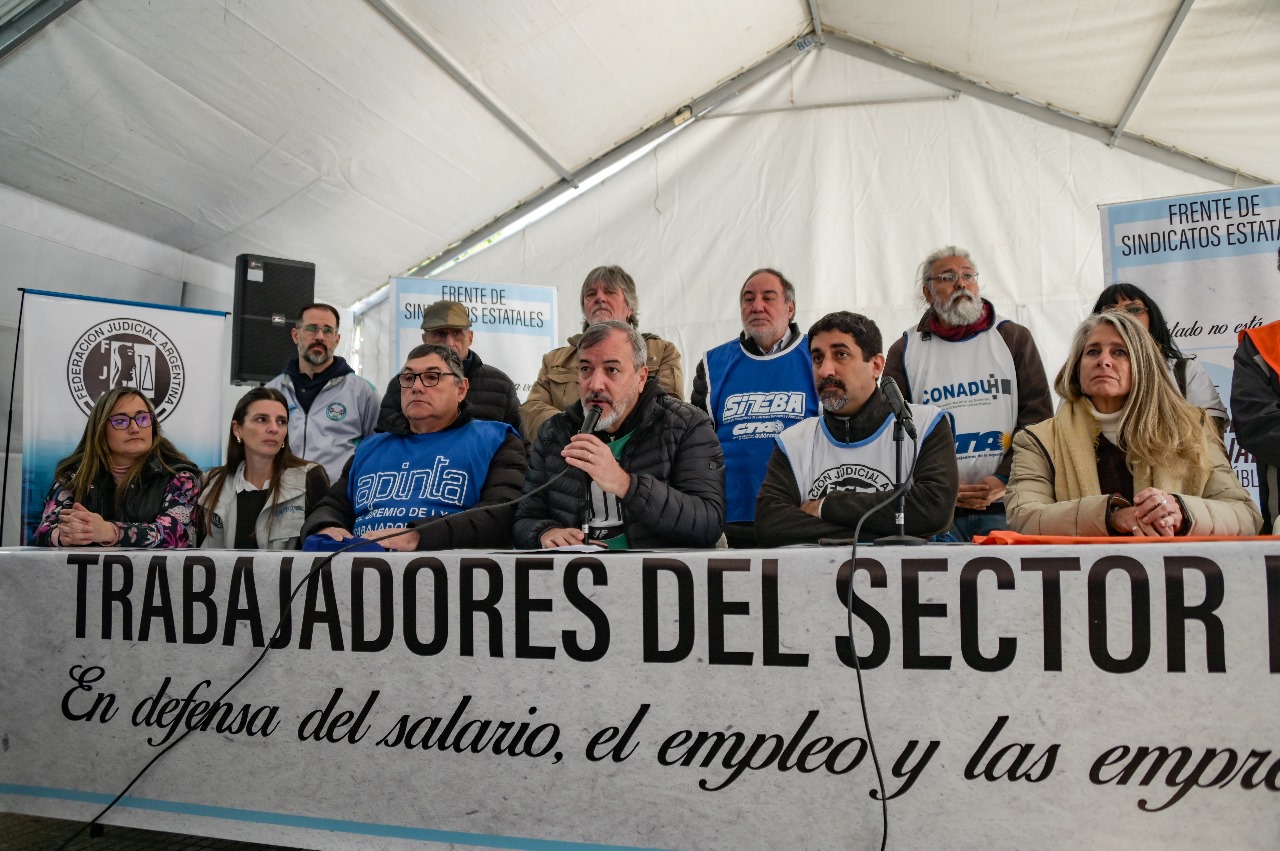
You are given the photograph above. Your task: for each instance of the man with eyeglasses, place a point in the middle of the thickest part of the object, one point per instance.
(330, 407)
(985, 371)
(492, 395)
(419, 475)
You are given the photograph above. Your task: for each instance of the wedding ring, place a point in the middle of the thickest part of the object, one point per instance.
(1163, 500)
(1133, 531)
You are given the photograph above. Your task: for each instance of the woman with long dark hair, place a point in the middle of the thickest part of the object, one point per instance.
(259, 497)
(1189, 376)
(124, 485)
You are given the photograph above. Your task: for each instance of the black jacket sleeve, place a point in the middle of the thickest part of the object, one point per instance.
(1255, 406)
(334, 510)
(390, 400)
(698, 398)
(687, 508)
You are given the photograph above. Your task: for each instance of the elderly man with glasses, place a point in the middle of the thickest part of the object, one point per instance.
(982, 369)
(434, 477)
(330, 407)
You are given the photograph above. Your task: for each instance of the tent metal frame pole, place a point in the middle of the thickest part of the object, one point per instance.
(1067, 121)
(844, 104)
(460, 77)
(38, 16)
(697, 108)
(815, 18)
(1169, 35)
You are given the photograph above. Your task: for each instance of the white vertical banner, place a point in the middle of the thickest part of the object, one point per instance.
(1210, 262)
(76, 348)
(514, 324)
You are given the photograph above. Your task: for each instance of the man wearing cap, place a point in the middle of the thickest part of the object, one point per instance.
(331, 409)
(608, 292)
(492, 395)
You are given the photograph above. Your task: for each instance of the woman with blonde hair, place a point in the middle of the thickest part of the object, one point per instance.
(260, 496)
(124, 485)
(1125, 454)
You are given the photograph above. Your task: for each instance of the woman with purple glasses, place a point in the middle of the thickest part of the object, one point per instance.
(124, 485)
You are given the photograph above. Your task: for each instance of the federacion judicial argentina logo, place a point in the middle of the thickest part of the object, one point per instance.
(129, 352)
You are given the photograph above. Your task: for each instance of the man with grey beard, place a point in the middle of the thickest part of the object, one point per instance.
(984, 370)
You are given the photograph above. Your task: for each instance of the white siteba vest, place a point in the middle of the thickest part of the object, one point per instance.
(822, 464)
(976, 382)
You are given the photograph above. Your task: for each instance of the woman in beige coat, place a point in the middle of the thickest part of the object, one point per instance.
(1125, 454)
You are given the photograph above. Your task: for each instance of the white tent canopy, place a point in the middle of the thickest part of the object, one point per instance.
(144, 146)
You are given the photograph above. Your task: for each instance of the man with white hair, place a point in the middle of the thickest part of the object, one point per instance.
(984, 370)
(754, 387)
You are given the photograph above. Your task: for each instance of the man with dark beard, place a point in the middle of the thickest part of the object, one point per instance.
(330, 407)
(649, 474)
(983, 370)
(827, 472)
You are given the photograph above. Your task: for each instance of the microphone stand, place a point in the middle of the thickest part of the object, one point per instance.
(902, 539)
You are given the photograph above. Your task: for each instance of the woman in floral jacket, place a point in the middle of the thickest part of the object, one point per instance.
(124, 485)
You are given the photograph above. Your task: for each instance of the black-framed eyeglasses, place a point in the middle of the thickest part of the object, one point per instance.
(313, 330)
(429, 379)
(120, 422)
(1131, 309)
(951, 277)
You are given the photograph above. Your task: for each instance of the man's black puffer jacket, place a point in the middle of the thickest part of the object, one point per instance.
(676, 498)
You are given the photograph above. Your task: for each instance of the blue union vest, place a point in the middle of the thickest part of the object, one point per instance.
(752, 399)
(395, 478)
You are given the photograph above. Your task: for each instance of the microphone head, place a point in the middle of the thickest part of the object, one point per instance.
(592, 416)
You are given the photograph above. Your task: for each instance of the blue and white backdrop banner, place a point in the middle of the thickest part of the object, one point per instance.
(1210, 262)
(76, 348)
(514, 324)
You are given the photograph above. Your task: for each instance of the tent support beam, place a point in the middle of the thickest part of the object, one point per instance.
(433, 53)
(844, 104)
(698, 108)
(1151, 70)
(30, 21)
(1056, 118)
(815, 18)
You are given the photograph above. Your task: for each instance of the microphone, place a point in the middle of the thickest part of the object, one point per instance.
(897, 404)
(593, 416)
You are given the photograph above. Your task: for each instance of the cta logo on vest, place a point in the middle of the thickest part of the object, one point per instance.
(741, 406)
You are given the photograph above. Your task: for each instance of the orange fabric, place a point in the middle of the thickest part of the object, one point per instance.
(1267, 341)
(1004, 536)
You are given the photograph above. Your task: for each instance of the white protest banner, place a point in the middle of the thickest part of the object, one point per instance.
(514, 324)
(1019, 697)
(1211, 262)
(76, 348)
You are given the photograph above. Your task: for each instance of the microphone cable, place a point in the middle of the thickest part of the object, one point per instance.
(267, 646)
(853, 651)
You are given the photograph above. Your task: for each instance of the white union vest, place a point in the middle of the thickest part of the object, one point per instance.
(822, 464)
(975, 381)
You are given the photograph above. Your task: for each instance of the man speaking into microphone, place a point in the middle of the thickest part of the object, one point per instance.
(649, 473)
(826, 472)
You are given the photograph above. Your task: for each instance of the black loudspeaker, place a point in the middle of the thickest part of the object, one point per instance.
(270, 293)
